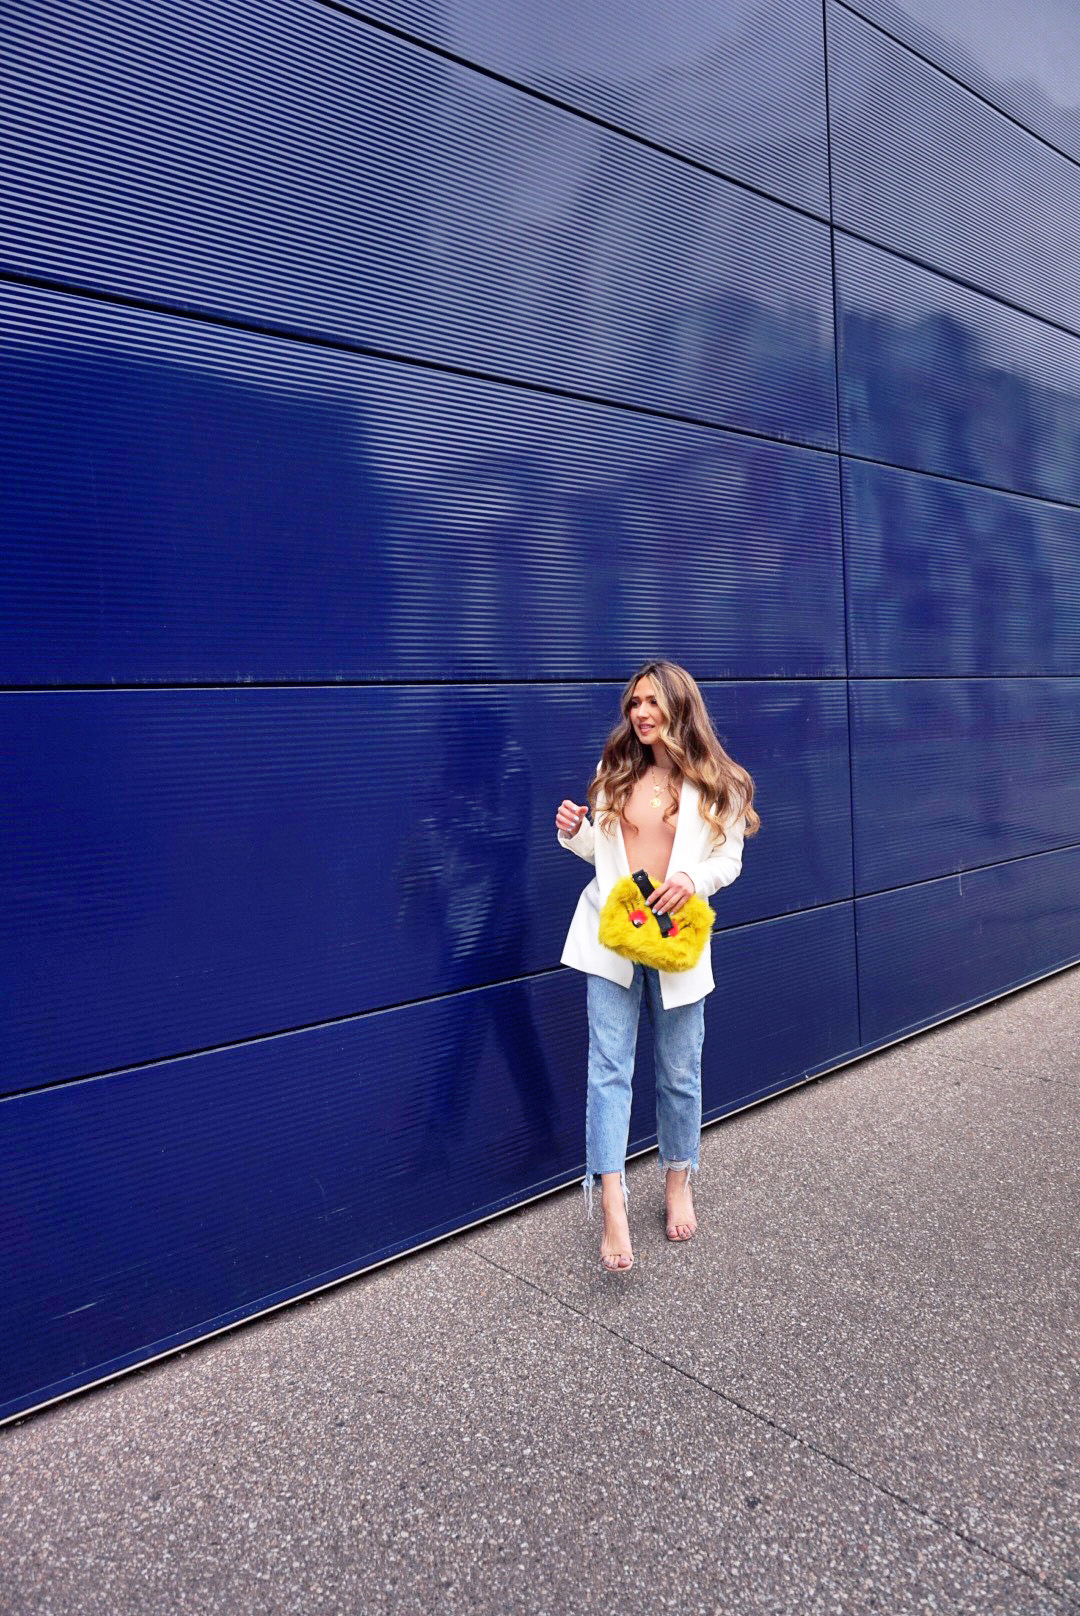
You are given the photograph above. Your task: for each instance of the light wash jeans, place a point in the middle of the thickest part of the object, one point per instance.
(678, 1035)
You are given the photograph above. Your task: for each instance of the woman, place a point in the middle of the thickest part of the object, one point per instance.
(666, 798)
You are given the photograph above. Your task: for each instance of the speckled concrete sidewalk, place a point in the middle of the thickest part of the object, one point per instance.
(854, 1391)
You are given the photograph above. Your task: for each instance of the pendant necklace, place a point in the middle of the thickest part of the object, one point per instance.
(655, 799)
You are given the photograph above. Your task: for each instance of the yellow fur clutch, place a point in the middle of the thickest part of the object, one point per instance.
(630, 927)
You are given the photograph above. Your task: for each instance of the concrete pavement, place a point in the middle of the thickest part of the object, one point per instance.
(854, 1391)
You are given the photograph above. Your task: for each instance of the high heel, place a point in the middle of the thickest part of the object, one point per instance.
(619, 1268)
(669, 1225)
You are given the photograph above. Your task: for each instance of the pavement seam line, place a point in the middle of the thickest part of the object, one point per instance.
(803, 1441)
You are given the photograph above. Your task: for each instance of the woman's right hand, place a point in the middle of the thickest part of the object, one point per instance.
(568, 817)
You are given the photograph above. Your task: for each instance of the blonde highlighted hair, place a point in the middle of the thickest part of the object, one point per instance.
(726, 789)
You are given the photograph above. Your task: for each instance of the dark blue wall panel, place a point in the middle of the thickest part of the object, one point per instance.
(144, 1208)
(339, 182)
(186, 503)
(921, 164)
(950, 773)
(927, 951)
(739, 87)
(943, 379)
(249, 860)
(370, 405)
(945, 578)
(1023, 59)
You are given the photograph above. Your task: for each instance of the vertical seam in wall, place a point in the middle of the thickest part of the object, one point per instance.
(840, 494)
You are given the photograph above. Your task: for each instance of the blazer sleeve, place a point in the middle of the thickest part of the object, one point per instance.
(722, 866)
(583, 842)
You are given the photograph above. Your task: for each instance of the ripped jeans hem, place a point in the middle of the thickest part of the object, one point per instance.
(587, 1186)
(687, 1165)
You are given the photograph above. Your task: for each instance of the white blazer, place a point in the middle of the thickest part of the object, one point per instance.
(694, 851)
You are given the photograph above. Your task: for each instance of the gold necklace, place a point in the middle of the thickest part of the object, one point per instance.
(655, 800)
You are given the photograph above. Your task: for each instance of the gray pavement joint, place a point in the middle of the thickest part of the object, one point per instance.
(1030, 1574)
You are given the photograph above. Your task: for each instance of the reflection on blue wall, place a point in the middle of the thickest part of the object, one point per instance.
(366, 418)
(944, 577)
(944, 379)
(413, 206)
(923, 165)
(739, 87)
(291, 512)
(1024, 60)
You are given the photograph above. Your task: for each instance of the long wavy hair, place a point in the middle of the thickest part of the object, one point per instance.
(726, 788)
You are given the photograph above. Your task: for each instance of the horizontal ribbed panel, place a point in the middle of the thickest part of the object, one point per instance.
(945, 578)
(740, 87)
(949, 773)
(943, 379)
(192, 867)
(339, 182)
(922, 165)
(1025, 59)
(926, 951)
(184, 503)
(145, 1208)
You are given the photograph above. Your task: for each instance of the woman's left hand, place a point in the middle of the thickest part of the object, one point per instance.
(669, 897)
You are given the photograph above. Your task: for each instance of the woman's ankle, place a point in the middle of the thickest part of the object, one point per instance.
(613, 1188)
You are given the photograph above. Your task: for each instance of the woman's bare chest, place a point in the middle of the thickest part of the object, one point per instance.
(647, 835)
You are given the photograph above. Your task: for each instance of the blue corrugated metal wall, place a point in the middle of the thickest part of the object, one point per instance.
(379, 385)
